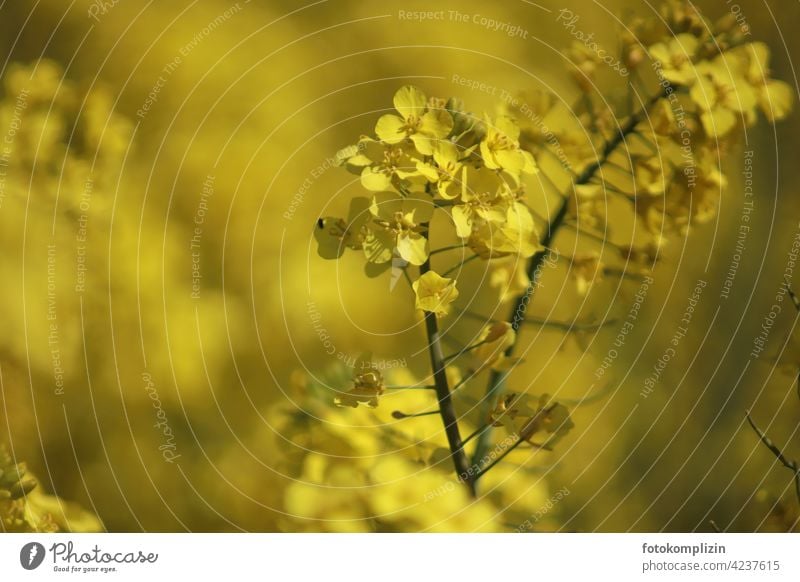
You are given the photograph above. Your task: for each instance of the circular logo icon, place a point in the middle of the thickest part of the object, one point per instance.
(31, 555)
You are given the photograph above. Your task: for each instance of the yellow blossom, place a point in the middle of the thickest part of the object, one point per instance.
(653, 175)
(775, 98)
(586, 269)
(509, 275)
(424, 125)
(334, 234)
(435, 293)
(675, 57)
(484, 197)
(723, 96)
(517, 235)
(367, 385)
(384, 167)
(500, 148)
(448, 170)
(396, 226)
(526, 416)
(495, 339)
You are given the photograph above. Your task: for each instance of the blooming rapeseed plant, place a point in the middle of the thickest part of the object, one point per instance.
(442, 178)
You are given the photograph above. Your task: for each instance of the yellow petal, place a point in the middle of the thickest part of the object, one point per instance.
(744, 99)
(410, 101)
(521, 231)
(659, 52)
(759, 59)
(776, 100)
(488, 156)
(445, 154)
(423, 143)
(704, 93)
(428, 171)
(462, 220)
(508, 127)
(718, 122)
(437, 123)
(685, 44)
(511, 160)
(529, 165)
(390, 129)
(374, 180)
(413, 247)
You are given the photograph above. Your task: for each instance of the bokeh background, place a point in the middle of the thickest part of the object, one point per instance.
(155, 122)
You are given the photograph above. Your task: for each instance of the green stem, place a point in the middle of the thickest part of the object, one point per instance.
(459, 265)
(445, 249)
(443, 395)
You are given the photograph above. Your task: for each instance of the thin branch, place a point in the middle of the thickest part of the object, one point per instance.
(496, 379)
(459, 265)
(475, 433)
(445, 249)
(792, 294)
(590, 233)
(791, 465)
(796, 301)
(399, 415)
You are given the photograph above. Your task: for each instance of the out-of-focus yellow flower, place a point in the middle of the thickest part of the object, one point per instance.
(584, 65)
(526, 416)
(586, 269)
(517, 235)
(495, 339)
(653, 175)
(24, 508)
(589, 206)
(775, 98)
(424, 125)
(435, 293)
(328, 495)
(43, 83)
(675, 57)
(500, 148)
(509, 275)
(367, 385)
(723, 95)
(408, 497)
(694, 198)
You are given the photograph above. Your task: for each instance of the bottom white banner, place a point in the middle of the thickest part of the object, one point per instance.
(390, 557)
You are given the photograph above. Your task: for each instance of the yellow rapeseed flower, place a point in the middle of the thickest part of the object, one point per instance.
(675, 57)
(435, 293)
(500, 148)
(423, 124)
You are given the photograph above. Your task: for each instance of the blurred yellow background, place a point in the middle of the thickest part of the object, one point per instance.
(192, 208)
